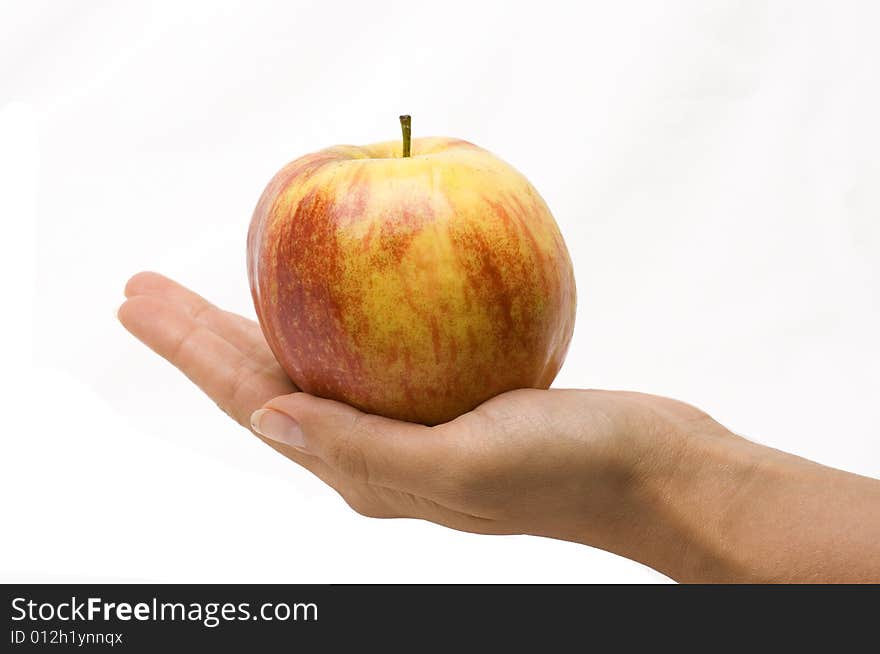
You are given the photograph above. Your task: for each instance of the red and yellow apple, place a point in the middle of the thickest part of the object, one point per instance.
(415, 287)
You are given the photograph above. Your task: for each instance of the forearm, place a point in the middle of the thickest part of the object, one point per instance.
(729, 510)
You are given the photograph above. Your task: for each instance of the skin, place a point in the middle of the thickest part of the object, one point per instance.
(397, 284)
(646, 477)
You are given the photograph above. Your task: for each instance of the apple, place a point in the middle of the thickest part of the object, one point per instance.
(413, 279)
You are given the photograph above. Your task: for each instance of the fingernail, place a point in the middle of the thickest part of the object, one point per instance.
(278, 427)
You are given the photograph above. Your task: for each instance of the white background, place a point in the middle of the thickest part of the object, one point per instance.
(713, 167)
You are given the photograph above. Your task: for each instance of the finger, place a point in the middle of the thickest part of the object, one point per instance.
(366, 448)
(235, 382)
(244, 334)
(161, 312)
(211, 363)
(374, 501)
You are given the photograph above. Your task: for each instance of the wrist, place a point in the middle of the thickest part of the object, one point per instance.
(671, 488)
(687, 488)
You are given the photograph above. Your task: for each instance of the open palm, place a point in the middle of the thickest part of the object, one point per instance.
(560, 463)
(646, 477)
(226, 355)
(223, 353)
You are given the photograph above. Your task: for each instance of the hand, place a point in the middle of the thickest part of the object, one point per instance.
(562, 463)
(646, 477)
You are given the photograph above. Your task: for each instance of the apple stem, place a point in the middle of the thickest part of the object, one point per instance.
(406, 128)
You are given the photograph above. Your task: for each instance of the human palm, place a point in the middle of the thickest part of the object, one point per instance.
(646, 477)
(561, 463)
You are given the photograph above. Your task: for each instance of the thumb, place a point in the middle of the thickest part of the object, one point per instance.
(364, 447)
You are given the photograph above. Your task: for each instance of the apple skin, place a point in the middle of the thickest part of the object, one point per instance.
(415, 288)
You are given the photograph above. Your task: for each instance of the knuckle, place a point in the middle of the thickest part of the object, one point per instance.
(184, 344)
(241, 377)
